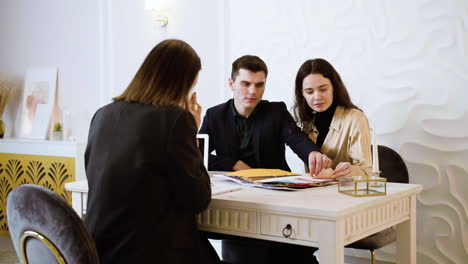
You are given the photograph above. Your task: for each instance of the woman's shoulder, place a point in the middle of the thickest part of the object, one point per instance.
(353, 118)
(172, 114)
(353, 113)
(149, 112)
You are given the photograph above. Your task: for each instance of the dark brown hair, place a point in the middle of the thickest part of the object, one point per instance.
(302, 111)
(166, 75)
(248, 62)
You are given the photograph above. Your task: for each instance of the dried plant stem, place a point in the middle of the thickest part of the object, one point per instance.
(6, 90)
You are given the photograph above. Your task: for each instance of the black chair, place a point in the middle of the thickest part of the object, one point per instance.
(394, 169)
(45, 229)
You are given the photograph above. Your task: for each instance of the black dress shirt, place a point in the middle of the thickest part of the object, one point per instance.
(274, 128)
(244, 129)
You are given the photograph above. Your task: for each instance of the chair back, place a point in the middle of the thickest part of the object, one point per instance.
(394, 169)
(392, 166)
(45, 229)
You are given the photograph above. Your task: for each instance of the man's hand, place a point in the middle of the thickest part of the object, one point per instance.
(343, 169)
(240, 165)
(317, 162)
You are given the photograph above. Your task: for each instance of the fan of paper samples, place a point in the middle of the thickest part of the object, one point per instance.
(279, 179)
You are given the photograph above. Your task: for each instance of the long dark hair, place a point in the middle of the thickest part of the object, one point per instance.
(302, 111)
(166, 75)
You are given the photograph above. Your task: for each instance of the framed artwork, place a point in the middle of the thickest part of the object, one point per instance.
(38, 102)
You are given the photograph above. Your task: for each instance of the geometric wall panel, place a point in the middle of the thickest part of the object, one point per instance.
(48, 171)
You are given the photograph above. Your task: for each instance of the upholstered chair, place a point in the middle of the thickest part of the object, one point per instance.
(45, 229)
(394, 169)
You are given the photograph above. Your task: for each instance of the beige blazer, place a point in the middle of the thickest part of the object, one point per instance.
(348, 139)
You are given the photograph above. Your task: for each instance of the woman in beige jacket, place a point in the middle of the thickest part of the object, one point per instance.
(324, 108)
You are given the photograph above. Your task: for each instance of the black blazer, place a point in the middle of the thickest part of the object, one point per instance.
(273, 128)
(146, 184)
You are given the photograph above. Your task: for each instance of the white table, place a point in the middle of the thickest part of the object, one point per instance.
(318, 217)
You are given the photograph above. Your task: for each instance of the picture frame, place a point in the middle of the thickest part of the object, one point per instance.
(38, 102)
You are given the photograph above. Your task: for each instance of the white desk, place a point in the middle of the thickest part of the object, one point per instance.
(319, 217)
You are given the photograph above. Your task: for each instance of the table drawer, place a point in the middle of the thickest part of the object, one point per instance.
(291, 227)
(229, 219)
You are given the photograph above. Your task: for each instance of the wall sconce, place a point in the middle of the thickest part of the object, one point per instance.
(160, 9)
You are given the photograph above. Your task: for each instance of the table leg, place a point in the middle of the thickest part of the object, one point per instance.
(331, 248)
(406, 236)
(77, 203)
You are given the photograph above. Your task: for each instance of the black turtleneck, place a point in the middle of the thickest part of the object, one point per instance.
(322, 123)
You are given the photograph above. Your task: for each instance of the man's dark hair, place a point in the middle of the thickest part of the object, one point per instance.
(248, 62)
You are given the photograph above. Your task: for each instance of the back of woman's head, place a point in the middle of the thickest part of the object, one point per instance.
(166, 75)
(302, 111)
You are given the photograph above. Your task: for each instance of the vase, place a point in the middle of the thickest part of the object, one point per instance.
(2, 128)
(57, 135)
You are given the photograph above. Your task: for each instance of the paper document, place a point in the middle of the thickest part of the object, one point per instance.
(217, 188)
(260, 173)
(287, 183)
(305, 178)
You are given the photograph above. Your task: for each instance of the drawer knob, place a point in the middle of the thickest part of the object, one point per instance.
(287, 231)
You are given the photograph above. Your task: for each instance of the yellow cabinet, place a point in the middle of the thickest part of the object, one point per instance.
(47, 163)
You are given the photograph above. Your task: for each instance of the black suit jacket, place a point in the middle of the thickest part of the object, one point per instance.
(146, 184)
(274, 127)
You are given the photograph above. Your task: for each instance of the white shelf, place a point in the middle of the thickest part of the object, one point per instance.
(52, 148)
(41, 147)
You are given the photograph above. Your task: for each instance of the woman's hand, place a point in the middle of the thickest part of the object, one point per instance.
(343, 169)
(193, 107)
(317, 162)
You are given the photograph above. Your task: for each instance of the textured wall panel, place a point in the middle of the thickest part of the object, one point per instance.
(405, 63)
(48, 171)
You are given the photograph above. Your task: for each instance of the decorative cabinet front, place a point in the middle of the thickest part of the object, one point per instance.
(229, 219)
(46, 163)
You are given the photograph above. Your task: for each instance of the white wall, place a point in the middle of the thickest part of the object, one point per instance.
(98, 46)
(404, 62)
(55, 33)
(134, 34)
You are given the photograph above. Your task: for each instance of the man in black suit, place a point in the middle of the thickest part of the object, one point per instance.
(248, 132)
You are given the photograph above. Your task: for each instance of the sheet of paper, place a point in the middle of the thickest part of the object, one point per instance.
(261, 173)
(289, 183)
(220, 189)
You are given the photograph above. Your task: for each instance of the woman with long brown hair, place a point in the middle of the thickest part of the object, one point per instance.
(145, 174)
(325, 111)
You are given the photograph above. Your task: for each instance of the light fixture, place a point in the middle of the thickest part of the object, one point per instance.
(160, 9)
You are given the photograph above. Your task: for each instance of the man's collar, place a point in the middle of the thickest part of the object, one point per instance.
(235, 113)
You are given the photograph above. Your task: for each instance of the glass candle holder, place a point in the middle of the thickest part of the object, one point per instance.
(361, 186)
